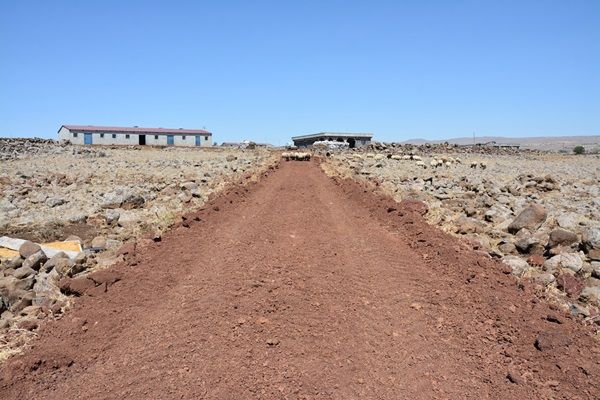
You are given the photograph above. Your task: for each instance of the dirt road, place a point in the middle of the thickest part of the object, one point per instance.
(301, 287)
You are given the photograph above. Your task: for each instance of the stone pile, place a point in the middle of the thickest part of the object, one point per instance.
(112, 192)
(13, 148)
(105, 197)
(538, 213)
(443, 148)
(30, 285)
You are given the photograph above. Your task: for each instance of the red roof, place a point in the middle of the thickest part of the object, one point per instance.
(136, 129)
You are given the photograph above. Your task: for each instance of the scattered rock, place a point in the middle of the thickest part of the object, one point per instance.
(591, 294)
(35, 260)
(28, 248)
(530, 218)
(518, 265)
(23, 272)
(55, 201)
(51, 263)
(64, 266)
(591, 239)
(570, 261)
(562, 237)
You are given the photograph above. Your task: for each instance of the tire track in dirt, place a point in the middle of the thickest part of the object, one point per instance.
(306, 287)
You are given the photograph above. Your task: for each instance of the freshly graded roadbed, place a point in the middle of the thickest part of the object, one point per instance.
(305, 287)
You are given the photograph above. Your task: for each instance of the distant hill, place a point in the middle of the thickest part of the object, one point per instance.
(548, 143)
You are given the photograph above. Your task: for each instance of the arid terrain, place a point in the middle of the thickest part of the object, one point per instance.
(103, 197)
(537, 212)
(383, 273)
(562, 144)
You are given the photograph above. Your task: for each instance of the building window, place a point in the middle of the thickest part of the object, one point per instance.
(102, 135)
(183, 138)
(156, 137)
(126, 136)
(74, 134)
(205, 137)
(114, 135)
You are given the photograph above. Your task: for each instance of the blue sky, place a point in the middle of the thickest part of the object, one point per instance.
(267, 70)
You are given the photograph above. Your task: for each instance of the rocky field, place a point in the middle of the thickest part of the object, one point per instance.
(537, 212)
(102, 197)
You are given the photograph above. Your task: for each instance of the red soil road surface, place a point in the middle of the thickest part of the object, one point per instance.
(304, 287)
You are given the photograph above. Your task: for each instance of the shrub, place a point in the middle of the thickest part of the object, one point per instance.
(579, 150)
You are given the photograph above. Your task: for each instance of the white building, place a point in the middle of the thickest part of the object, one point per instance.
(353, 139)
(109, 135)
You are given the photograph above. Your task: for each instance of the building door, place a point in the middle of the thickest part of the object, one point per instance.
(198, 140)
(170, 140)
(142, 139)
(351, 143)
(87, 138)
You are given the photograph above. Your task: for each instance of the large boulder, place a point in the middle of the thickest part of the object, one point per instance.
(35, 260)
(591, 294)
(51, 263)
(518, 265)
(99, 242)
(568, 220)
(122, 198)
(529, 245)
(530, 218)
(66, 267)
(28, 248)
(570, 261)
(12, 293)
(23, 272)
(591, 239)
(46, 287)
(562, 237)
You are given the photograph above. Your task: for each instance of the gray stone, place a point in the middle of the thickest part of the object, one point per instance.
(99, 242)
(543, 278)
(45, 287)
(591, 239)
(122, 198)
(518, 265)
(55, 201)
(571, 261)
(590, 294)
(567, 220)
(191, 187)
(530, 218)
(63, 266)
(35, 260)
(595, 269)
(507, 247)
(129, 219)
(562, 237)
(78, 218)
(529, 244)
(49, 265)
(111, 216)
(80, 258)
(14, 263)
(11, 291)
(25, 283)
(23, 272)
(28, 248)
